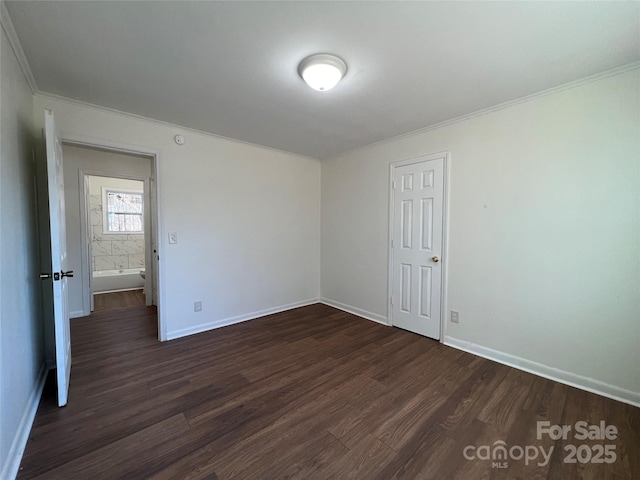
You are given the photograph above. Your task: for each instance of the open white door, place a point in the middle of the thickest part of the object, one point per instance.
(58, 271)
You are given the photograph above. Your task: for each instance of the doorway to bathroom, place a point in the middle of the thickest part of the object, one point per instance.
(117, 237)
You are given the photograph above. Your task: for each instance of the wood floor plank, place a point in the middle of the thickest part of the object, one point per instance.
(111, 301)
(366, 459)
(410, 460)
(112, 457)
(196, 465)
(311, 393)
(406, 422)
(295, 423)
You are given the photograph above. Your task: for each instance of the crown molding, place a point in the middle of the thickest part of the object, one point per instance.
(543, 93)
(7, 26)
(179, 128)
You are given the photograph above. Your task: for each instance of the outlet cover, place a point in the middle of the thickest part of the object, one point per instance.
(455, 316)
(197, 306)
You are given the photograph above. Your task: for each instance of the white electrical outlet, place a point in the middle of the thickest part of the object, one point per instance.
(455, 316)
(197, 306)
(173, 237)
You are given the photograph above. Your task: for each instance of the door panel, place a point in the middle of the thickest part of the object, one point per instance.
(425, 291)
(417, 233)
(58, 246)
(406, 288)
(426, 218)
(407, 223)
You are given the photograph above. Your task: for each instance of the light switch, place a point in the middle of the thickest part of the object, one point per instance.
(173, 237)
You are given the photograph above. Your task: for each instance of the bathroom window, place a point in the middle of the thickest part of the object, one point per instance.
(122, 211)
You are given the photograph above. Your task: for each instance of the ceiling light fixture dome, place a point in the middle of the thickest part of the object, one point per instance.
(322, 72)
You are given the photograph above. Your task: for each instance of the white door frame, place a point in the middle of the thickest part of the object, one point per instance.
(85, 234)
(155, 217)
(446, 157)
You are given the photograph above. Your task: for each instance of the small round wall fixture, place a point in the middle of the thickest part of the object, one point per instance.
(322, 72)
(179, 139)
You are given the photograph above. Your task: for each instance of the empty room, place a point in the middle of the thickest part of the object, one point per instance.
(319, 240)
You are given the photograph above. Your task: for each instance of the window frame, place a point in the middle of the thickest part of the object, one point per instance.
(105, 209)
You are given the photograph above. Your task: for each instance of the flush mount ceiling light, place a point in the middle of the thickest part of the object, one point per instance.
(322, 72)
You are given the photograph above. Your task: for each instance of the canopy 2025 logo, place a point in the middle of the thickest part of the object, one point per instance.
(500, 453)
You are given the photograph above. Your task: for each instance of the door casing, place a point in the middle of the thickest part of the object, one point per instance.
(86, 235)
(155, 214)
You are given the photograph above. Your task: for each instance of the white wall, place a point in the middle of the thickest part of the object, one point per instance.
(247, 218)
(21, 355)
(544, 262)
(88, 160)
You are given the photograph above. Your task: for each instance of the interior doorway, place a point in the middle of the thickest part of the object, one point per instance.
(117, 239)
(112, 224)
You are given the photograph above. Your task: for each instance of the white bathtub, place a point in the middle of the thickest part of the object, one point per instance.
(117, 280)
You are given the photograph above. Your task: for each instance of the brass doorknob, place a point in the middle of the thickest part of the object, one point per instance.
(435, 259)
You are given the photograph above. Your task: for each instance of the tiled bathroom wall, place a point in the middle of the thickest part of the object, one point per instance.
(113, 251)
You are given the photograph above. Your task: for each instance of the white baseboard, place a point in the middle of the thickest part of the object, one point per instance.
(237, 319)
(356, 311)
(77, 314)
(568, 378)
(12, 462)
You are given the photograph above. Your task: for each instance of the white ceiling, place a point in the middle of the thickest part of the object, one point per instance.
(230, 68)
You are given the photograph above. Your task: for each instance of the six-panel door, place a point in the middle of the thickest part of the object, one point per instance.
(418, 199)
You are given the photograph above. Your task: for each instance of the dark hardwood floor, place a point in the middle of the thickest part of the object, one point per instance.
(312, 393)
(110, 301)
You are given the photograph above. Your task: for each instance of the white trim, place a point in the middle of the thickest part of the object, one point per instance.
(389, 249)
(89, 141)
(14, 457)
(446, 202)
(562, 376)
(86, 233)
(7, 26)
(181, 128)
(446, 159)
(374, 317)
(237, 319)
(156, 203)
(500, 106)
(78, 314)
(87, 247)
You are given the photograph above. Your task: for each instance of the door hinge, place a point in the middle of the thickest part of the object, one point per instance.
(393, 184)
(392, 244)
(391, 300)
